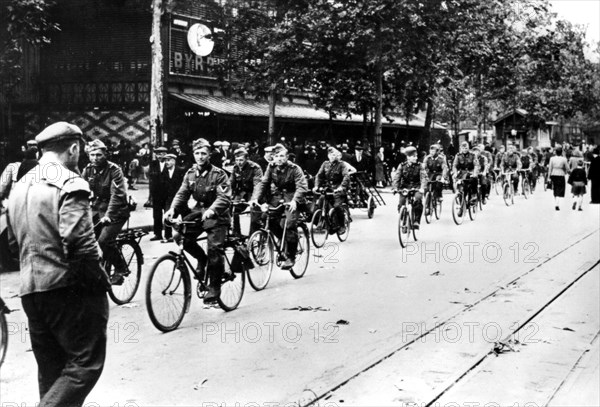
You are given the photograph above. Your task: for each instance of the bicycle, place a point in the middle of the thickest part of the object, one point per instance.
(3, 330)
(323, 224)
(508, 192)
(525, 185)
(464, 201)
(128, 245)
(406, 221)
(497, 180)
(169, 285)
(432, 207)
(263, 245)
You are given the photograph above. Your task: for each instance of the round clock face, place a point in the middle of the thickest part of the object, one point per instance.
(200, 39)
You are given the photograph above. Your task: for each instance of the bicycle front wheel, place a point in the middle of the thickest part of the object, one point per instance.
(233, 282)
(473, 208)
(458, 208)
(344, 236)
(261, 254)
(124, 293)
(318, 228)
(303, 252)
(526, 189)
(168, 293)
(370, 207)
(506, 195)
(428, 209)
(403, 227)
(437, 208)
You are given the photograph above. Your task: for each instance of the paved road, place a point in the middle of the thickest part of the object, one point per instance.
(263, 352)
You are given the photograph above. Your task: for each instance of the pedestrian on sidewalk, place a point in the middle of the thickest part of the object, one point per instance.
(594, 176)
(63, 287)
(578, 181)
(558, 169)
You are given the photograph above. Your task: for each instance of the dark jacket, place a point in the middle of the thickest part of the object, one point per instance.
(511, 162)
(333, 174)
(210, 188)
(409, 175)
(244, 180)
(435, 166)
(167, 187)
(109, 197)
(465, 162)
(285, 182)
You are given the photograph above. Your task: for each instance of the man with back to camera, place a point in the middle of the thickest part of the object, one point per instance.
(63, 288)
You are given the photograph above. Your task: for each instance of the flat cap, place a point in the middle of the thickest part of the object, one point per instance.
(175, 142)
(170, 155)
(96, 145)
(268, 149)
(359, 147)
(160, 150)
(200, 143)
(58, 131)
(410, 150)
(279, 147)
(239, 151)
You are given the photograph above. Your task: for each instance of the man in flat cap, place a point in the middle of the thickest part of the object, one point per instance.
(335, 174)
(410, 175)
(169, 181)
(284, 180)
(265, 160)
(109, 205)
(210, 188)
(63, 287)
(245, 177)
(156, 172)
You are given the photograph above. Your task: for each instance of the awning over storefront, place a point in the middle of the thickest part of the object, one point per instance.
(251, 108)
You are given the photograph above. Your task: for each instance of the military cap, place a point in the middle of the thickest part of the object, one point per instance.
(240, 151)
(225, 143)
(96, 145)
(333, 150)
(200, 143)
(436, 146)
(359, 147)
(464, 144)
(175, 142)
(32, 143)
(268, 149)
(58, 131)
(410, 150)
(217, 144)
(171, 155)
(278, 147)
(160, 150)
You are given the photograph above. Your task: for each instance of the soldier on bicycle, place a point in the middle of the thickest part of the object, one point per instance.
(511, 162)
(245, 177)
(484, 167)
(335, 174)
(210, 188)
(529, 162)
(411, 175)
(283, 180)
(466, 164)
(436, 169)
(109, 205)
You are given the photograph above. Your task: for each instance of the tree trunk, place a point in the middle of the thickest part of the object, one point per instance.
(379, 106)
(426, 139)
(157, 86)
(272, 105)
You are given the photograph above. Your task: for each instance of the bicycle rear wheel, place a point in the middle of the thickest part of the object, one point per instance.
(344, 236)
(458, 208)
(303, 252)
(403, 227)
(3, 336)
(124, 293)
(261, 253)
(233, 282)
(370, 207)
(168, 293)
(526, 189)
(428, 207)
(319, 228)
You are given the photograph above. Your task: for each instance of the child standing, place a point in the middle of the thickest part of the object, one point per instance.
(578, 181)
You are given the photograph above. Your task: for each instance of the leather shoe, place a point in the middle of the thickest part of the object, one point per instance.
(288, 264)
(212, 295)
(155, 237)
(167, 240)
(117, 279)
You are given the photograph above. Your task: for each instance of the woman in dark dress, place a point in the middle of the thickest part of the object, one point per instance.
(594, 176)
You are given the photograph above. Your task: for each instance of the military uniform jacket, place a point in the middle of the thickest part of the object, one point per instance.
(466, 162)
(109, 197)
(210, 188)
(333, 174)
(435, 166)
(511, 162)
(527, 161)
(285, 182)
(244, 180)
(50, 225)
(483, 163)
(409, 175)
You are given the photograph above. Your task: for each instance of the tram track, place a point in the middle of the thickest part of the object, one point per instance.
(330, 392)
